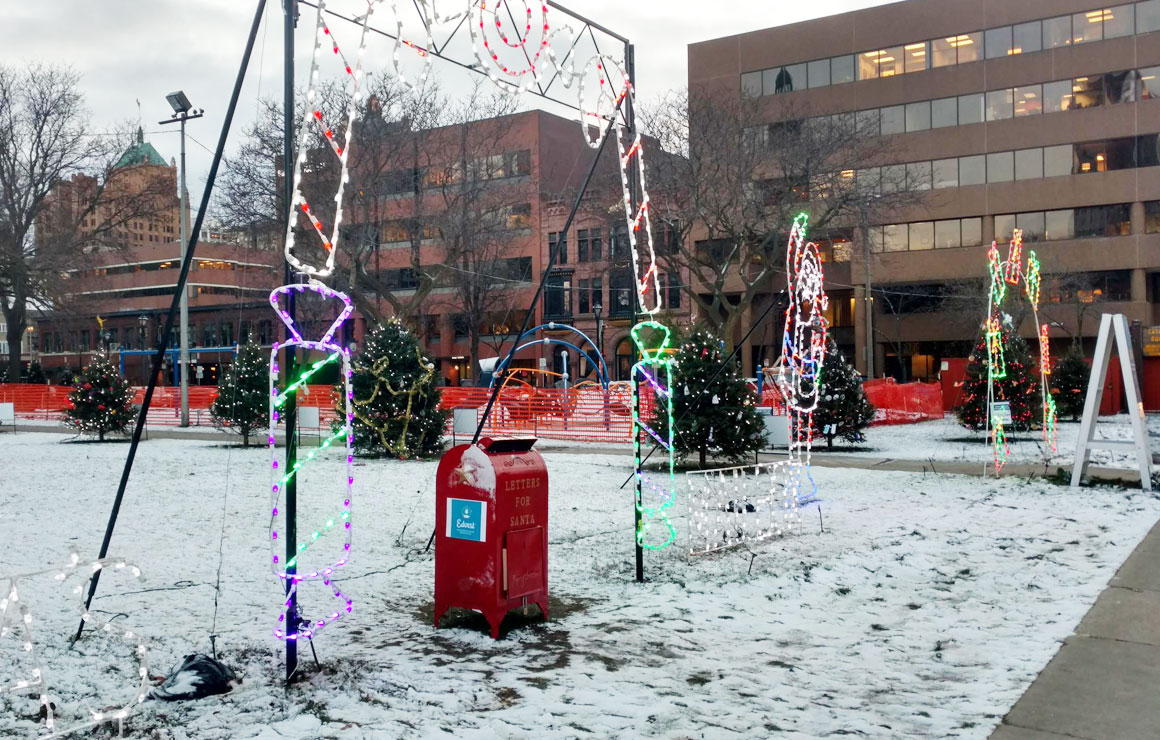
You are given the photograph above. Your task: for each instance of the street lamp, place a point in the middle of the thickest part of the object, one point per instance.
(182, 112)
(598, 310)
(142, 335)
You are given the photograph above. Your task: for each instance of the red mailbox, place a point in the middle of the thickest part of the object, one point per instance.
(491, 529)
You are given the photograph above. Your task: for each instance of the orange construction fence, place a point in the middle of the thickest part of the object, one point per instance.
(904, 403)
(584, 413)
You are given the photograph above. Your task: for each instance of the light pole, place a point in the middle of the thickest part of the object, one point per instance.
(143, 339)
(182, 112)
(598, 310)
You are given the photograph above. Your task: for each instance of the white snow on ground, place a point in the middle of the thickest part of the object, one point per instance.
(924, 608)
(945, 440)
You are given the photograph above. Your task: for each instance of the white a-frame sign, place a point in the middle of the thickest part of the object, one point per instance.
(1091, 408)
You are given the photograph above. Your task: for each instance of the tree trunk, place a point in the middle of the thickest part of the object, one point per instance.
(703, 450)
(16, 326)
(477, 369)
(245, 440)
(100, 435)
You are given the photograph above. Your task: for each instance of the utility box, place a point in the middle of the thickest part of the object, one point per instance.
(491, 529)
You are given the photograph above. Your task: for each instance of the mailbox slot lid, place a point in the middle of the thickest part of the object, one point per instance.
(524, 571)
(501, 445)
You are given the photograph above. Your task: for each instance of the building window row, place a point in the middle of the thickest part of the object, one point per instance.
(1069, 223)
(1105, 155)
(1022, 38)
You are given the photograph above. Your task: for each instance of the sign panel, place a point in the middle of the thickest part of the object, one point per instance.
(467, 519)
(1001, 410)
(1151, 341)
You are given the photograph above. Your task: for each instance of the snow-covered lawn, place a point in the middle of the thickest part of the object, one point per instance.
(924, 608)
(945, 440)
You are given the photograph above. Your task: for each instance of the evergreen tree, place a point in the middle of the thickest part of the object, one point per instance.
(717, 416)
(36, 373)
(396, 396)
(843, 410)
(1069, 382)
(100, 400)
(1020, 386)
(243, 395)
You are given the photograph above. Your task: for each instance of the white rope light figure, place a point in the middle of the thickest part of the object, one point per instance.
(288, 571)
(739, 505)
(803, 351)
(1004, 273)
(15, 615)
(323, 37)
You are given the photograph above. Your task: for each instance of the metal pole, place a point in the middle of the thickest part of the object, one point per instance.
(633, 185)
(181, 278)
(868, 297)
(183, 319)
(290, 413)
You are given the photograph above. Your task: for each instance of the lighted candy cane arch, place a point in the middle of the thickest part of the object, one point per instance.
(803, 351)
(286, 566)
(1003, 273)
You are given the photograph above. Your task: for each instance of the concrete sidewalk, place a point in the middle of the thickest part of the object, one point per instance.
(1102, 684)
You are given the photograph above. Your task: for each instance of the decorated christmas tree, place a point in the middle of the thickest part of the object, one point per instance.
(1069, 382)
(714, 417)
(100, 400)
(396, 396)
(1016, 380)
(243, 396)
(843, 410)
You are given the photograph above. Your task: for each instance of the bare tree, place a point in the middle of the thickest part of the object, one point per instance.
(739, 181)
(62, 195)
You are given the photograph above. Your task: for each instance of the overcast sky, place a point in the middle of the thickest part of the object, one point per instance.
(139, 50)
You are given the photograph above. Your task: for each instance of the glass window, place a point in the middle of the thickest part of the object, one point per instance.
(1147, 150)
(1057, 96)
(1004, 225)
(972, 231)
(1151, 226)
(998, 42)
(894, 238)
(916, 56)
(1029, 164)
(1149, 87)
(999, 104)
(973, 170)
(943, 53)
(751, 85)
(842, 69)
(1148, 16)
(1119, 21)
(783, 79)
(945, 173)
(1059, 225)
(1112, 220)
(1026, 38)
(922, 235)
(1028, 100)
(818, 72)
(1001, 167)
(869, 181)
(1087, 92)
(868, 122)
(1057, 32)
(1057, 160)
(944, 112)
(946, 234)
(970, 108)
(893, 178)
(970, 46)
(891, 62)
(1032, 225)
(875, 238)
(893, 119)
(918, 176)
(868, 65)
(1087, 26)
(918, 116)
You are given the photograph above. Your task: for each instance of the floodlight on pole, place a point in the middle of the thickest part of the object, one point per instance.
(182, 112)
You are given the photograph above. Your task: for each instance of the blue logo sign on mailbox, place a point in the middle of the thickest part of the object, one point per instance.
(467, 519)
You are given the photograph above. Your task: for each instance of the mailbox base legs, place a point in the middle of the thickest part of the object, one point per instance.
(494, 618)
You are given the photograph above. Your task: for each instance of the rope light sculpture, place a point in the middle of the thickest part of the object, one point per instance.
(1004, 273)
(654, 371)
(15, 616)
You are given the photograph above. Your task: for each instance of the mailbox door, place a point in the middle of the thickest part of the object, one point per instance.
(525, 573)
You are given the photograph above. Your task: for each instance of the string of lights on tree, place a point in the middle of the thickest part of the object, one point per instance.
(16, 616)
(100, 402)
